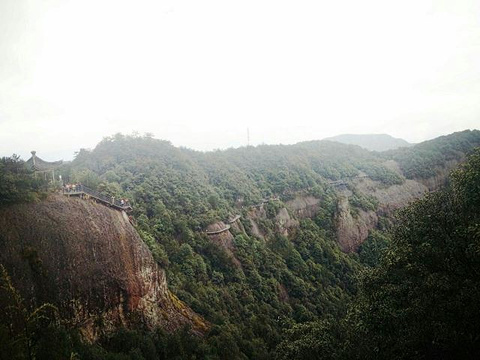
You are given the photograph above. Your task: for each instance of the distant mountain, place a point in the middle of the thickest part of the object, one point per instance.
(374, 142)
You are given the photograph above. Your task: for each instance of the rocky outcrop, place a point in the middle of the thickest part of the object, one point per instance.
(392, 197)
(89, 261)
(224, 239)
(255, 213)
(353, 230)
(304, 206)
(255, 229)
(284, 223)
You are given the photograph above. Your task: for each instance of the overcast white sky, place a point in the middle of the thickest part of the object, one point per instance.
(198, 73)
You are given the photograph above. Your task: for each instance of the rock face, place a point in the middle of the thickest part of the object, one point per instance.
(284, 223)
(304, 206)
(392, 197)
(223, 239)
(353, 230)
(89, 261)
(352, 225)
(255, 213)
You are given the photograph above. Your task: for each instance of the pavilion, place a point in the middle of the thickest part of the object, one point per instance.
(42, 167)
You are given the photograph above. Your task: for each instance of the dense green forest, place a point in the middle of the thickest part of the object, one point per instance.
(409, 292)
(422, 160)
(422, 300)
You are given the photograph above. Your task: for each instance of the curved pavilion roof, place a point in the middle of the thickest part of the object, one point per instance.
(37, 164)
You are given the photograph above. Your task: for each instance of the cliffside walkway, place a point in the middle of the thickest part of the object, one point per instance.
(219, 231)
(265, 201)
(83, 191)
(234, 219)
(227, 227)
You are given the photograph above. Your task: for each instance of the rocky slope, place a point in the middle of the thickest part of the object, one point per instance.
(352, 226)
(89, 261)
(224, 239)
(353, 230)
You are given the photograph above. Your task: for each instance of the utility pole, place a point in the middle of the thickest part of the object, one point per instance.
(248, 136)
(33, 162)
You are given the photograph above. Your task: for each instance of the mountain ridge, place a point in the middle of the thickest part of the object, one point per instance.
(309, 218)
(373, 142)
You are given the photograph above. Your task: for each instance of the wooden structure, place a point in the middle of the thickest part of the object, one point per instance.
(42, 168)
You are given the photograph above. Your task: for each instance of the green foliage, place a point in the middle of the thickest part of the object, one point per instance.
(426, 159)
(23, 331)
(421, 301)
(178, 192)
(372, 249)
(318, 340)
(381, 173)
(258, 292)
(86, 177)
(361, 201)
(17, 184)
(156, 249)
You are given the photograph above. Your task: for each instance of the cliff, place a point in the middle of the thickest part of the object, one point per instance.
(353, 230)
(89, 261)
(224, 239)
(353, 226)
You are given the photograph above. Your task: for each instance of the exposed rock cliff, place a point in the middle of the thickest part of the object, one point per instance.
(352, 225)
(224, 239)
(89, 261)
(255, 213)
(284, 223)
(304, 206)
(392, 197)
(353, 230)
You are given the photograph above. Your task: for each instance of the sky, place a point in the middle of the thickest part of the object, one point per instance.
(200, 73)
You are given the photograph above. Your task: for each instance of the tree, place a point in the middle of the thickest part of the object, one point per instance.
(21, 327)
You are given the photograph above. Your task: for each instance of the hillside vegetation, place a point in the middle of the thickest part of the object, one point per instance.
(275, 270)
(373, 142)
(421, 301)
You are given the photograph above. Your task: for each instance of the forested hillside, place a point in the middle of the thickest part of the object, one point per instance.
(422, 300)
(373, 142)
(281, 263)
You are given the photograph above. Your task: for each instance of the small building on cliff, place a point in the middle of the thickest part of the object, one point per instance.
(43, 168)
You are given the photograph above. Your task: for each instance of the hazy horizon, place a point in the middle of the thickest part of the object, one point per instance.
(198, 74)
(68, 156)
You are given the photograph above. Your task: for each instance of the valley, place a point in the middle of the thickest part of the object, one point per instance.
(231, 252)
